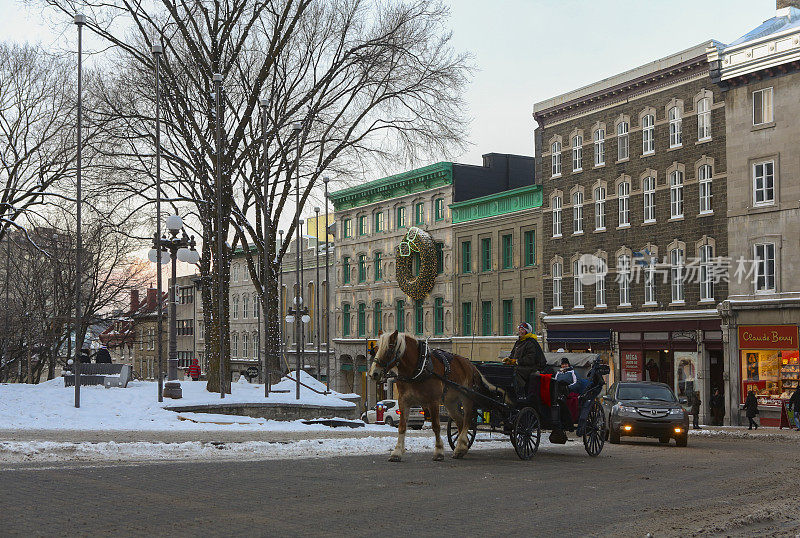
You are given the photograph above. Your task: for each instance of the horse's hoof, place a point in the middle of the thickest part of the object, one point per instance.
(394, 457)
(438, 457)
(458, 455)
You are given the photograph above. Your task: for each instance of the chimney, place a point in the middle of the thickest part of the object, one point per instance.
(134, 300)
(152, 299)
(788, 3)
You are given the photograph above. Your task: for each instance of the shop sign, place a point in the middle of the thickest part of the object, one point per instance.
(631, 366)
(768, 337)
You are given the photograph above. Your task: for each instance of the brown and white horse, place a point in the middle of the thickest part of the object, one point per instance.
(398, 356)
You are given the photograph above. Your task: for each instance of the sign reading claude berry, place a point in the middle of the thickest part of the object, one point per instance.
(768, 337)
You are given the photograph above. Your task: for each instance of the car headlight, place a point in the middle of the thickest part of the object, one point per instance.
(676, 411)
(627, 409)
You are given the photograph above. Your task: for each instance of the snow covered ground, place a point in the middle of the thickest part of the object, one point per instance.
(50, 405)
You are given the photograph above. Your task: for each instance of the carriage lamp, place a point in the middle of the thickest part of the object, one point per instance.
(292, 314)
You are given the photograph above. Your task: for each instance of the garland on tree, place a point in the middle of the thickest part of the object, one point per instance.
(419, 242)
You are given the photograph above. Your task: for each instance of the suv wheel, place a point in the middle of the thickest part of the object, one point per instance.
(682, 440)
(388, 421)
(613, 437)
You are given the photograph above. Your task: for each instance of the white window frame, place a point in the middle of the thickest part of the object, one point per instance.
(766, 110)
(706, 272)
(557, 272)
(675, 127)
(704, 119)
(650, 283)
(599, 138)
(577, 153)
(676, 265)
(556, 158)
(649, 198)
(600, 208)
(624, 279)
(767, 188)
(245, 306)
(648, 134)
(623, 141)
(600, 292)
(245, 344)
(764, 260)
(624, 203)
(557, 205)
(705, 193)
(577, 285)
(577, 213)
(235, 346)
(676, 194)
(235, 307)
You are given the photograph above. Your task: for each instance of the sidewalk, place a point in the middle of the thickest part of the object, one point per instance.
(741, 432)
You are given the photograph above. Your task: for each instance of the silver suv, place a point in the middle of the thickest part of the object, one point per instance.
(645, 409)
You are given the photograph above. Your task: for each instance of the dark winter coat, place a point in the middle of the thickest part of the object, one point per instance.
(751, 405)
(529, 355)
(794, 401)
(718, 402)
(568, 376)
(102, 356)
(696, 404)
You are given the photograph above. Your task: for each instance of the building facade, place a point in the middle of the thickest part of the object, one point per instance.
(634, 174)
(760, 77)
(498, 273)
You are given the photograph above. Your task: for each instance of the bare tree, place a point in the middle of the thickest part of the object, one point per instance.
(370, 81)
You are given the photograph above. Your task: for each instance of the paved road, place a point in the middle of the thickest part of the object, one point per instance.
(716, 485)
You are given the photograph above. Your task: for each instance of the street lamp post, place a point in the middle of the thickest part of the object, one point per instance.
(265, 269)
(325, 180)
(281, 301)
(317, 311)
(178, 249)
(297, 127)
(157, 50)
(220, 240)
(80, 20)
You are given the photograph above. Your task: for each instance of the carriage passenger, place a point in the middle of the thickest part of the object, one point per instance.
(567, 375)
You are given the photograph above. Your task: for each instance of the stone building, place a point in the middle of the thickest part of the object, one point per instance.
(186, 305)
(634, 175)
(498, 278)
(144, 325)
(760, 78)
(372, 219)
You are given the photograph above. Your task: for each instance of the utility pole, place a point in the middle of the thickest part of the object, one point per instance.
(220, 240)
(80, 20)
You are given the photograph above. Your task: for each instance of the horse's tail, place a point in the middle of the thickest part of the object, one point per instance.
(491, 389)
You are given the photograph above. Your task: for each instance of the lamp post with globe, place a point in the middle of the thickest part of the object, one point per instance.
(292, 313)
(179, 247)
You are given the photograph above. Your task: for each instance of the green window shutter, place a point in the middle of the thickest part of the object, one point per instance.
(401, 217)
(362, 268)
(346, 269)
(377, 322)
(378, 269)
(508, 317)
(362, 319)
(420, 213)
(466, 257)
(401, 316)
(508, 253)
(348, 228)
(530, 311)
(486, 318)
(440, 258)
(419, 321)
(345, 320)
(466, 319)
(438, 315)
(530, 248)
(486, 254)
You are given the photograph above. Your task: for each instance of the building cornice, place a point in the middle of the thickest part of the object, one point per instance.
(493, 205)
(771, 55)
(420, 179)
(662, 315)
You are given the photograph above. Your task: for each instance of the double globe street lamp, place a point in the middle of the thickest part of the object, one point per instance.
(178, 247)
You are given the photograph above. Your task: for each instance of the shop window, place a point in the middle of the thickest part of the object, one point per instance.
(769, 362)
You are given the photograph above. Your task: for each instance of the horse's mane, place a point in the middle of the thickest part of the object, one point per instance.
(383, 343)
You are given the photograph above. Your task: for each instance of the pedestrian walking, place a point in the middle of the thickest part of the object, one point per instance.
(794, 405)
(751, 409)
(696, 409)
(194, 370)
(717, 405)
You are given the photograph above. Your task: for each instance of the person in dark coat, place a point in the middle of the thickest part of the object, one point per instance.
(751, 409)
(85, 358)
(528, 355)
(696, 409)
(102, 356)
(194, 370)
(717, 405)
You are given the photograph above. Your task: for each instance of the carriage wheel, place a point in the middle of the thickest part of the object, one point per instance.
(527, 433)
(452, 434)
(594, 433)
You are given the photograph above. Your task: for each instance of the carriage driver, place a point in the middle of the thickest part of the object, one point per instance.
(528, 355)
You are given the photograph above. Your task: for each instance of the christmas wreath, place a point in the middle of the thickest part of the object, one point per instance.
(420, 243)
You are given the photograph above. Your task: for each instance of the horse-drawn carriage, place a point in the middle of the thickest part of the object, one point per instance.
(543, 405)
(428, 377)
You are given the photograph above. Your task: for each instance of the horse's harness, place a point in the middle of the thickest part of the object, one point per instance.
(424, 368)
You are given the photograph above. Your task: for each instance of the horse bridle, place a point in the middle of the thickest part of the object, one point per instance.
(422, 362)
(389, 365)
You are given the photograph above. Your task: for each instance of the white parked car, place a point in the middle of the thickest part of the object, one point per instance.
(391, 415)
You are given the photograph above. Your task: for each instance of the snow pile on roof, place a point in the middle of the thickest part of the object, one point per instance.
(783, 20)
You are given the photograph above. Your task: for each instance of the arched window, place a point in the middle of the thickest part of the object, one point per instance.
(648, 134)
(234, 345)
(235, 307)
(577, 153)
(245, 306)
(675, 127)
(556, 272)
(622, 140)
(556, 158)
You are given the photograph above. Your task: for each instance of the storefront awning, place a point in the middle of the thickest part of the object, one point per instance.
(579, 336)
